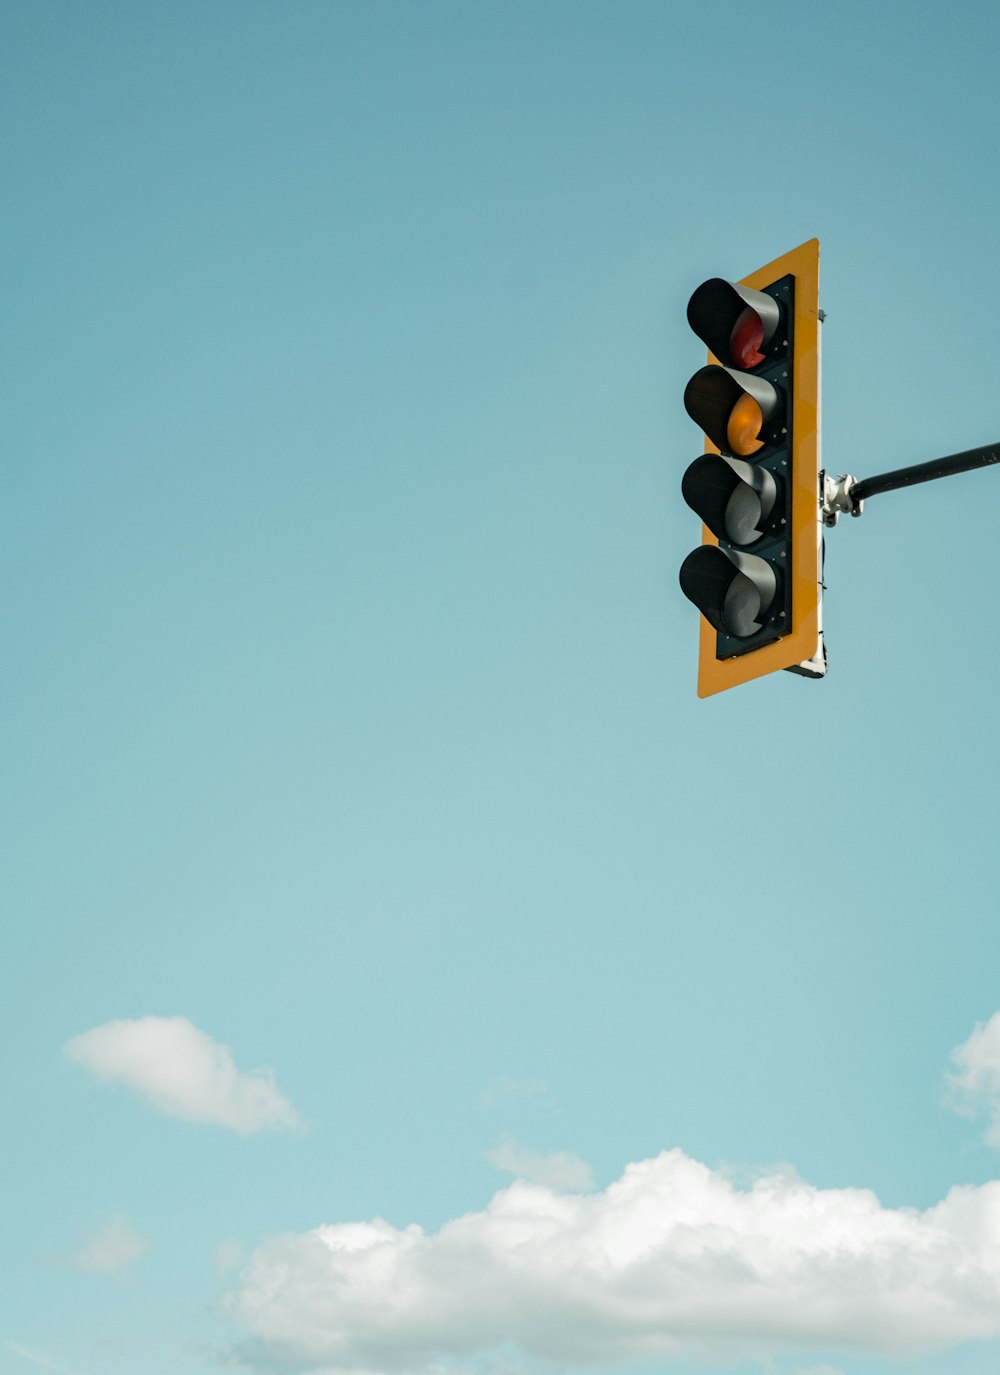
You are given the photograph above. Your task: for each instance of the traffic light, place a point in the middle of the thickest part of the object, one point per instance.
(757, 576)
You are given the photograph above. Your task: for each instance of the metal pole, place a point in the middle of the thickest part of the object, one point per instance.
(925, 472)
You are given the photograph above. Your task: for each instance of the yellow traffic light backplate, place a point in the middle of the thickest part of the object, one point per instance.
(803, 641)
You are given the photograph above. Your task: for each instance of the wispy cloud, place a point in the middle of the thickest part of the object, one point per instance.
(974, 1081)
(672, 1260)
(183, 1073)
(504, 1089)
(558, 1170)
(111, 1249)
(27, 1353)
(229, 1255)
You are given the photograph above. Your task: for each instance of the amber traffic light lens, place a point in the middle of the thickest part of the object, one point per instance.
(744, 426)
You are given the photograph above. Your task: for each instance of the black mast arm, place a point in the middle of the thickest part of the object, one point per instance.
(924, 472)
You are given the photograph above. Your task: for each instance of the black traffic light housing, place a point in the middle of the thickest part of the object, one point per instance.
(745, 504)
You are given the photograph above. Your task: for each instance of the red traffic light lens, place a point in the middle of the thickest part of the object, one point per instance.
(746, 339)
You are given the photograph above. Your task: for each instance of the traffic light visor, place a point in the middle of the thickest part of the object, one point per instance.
(734, 321)
(731, 407)
(733, 498)
(733, 591)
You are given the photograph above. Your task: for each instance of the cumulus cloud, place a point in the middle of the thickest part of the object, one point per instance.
(183, 1073)
(560, 1170)
(975, 1079)
(673, 1259)
(111, 1249)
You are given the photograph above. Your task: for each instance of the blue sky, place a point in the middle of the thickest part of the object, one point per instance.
(369, 858)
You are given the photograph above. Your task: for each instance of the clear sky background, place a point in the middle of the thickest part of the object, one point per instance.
(349, 713)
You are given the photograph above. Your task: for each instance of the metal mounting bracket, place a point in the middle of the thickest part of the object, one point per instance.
(838, 498)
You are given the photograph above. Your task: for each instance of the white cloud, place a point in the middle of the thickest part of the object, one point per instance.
(111, 1249)
(560, 1170)
(183, 1073)
(671, 1260)
(975, 1079)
